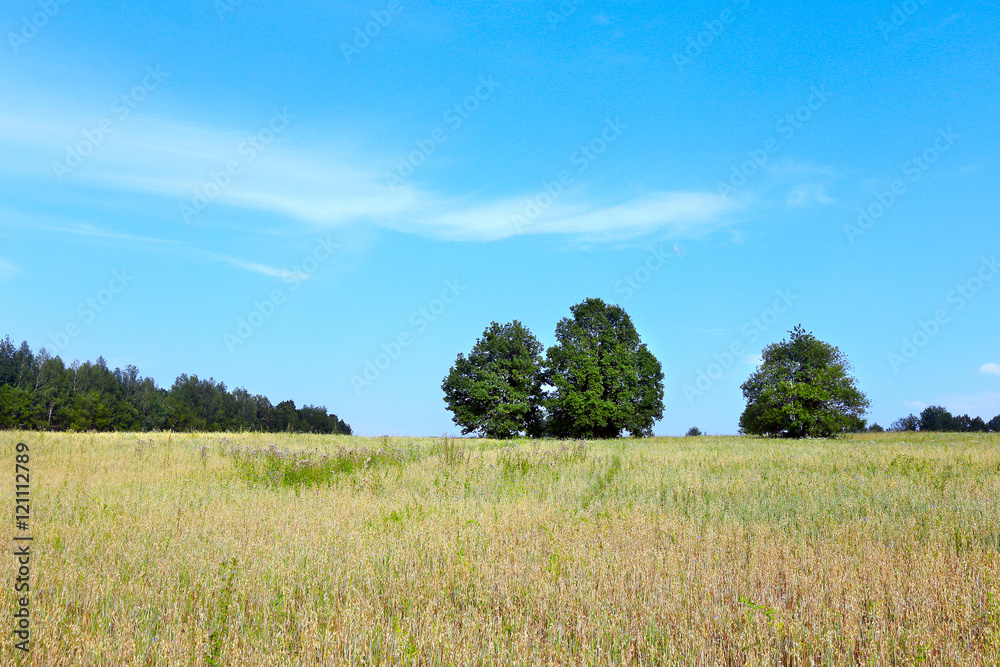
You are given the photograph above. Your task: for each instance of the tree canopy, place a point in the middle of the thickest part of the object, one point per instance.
(497, 390)
(604, 379)
(598, 379)
(802, 388)
(938, 418)
(38, 391)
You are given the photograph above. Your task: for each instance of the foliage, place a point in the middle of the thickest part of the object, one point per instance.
(604, 379)
(803, 388)
(497, 390)
(601, 379)
(994, 424)
(38, 391)
(937, 418)
(693, 431)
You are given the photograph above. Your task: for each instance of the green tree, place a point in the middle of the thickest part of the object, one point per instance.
(977, 424)
(8, 363)
(994, 424)
(937, 418)
(38, 391)
(604, 379)
(286, 417)
(803, 388)
(907, 423)
(52, 391)
(265, 413)
(17, 409)
(497, 390)
(90, 412)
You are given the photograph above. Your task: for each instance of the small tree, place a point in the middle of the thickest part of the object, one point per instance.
(604, 379)
(693, 431)
(497, 390)
(803, 388)
(907, 423)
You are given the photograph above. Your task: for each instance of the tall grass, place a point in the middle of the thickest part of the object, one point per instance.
(211, 549)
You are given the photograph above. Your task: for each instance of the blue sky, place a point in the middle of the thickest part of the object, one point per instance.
(275, 194)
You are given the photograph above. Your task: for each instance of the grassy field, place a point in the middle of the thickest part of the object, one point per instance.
(245, 549)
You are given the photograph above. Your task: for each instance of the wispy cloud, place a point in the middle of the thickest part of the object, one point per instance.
(262, 269)
(84, 229)
(324, 188)
(102, 234)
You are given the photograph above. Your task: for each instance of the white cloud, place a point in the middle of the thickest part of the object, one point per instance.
(326, 188)
(990, 368)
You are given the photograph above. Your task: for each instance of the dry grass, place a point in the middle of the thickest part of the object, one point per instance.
(201, 550)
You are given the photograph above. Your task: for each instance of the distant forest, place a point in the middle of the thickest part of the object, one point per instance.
(39, 392)
(937, 418)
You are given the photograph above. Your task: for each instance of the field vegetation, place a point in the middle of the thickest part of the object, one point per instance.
(254, 549)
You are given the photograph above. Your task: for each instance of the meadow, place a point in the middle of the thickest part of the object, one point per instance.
(263, 549)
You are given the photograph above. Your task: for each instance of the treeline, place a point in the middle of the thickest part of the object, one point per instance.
(39, 392)
(937, 418)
